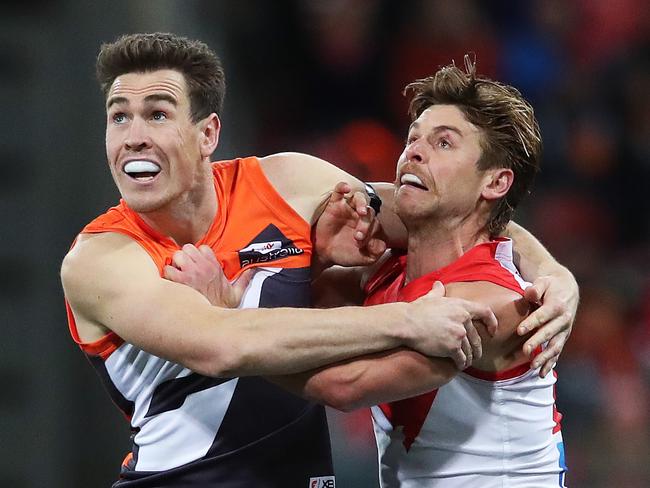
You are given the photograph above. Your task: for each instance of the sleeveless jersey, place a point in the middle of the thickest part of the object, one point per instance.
(482, 429)
(192, 430)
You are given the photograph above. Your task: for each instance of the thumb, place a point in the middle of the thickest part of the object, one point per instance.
(533, 294)
(172, 274)
(241, 283)
(437, 290)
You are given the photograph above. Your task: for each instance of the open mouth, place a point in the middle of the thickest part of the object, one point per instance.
(141, 169)
(412, 180)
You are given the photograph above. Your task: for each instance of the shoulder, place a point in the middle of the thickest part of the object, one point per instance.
(304, 181)
(96, 257)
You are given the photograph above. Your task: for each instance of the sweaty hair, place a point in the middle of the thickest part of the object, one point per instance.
(141, 53)
(510, 136)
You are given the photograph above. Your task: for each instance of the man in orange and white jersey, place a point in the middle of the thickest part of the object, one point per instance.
(181, 369)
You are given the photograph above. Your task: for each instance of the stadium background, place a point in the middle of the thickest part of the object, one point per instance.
(325, 77)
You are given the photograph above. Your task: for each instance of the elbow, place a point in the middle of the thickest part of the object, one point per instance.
(336, 392)
(217, 361)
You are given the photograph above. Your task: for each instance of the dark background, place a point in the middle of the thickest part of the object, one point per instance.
(325, 77)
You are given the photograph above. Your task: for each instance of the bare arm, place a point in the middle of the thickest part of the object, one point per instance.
(370, 380)
(398, 374)
(555, 288)
(111, 284)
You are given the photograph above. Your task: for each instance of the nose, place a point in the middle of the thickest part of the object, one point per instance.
(413, 151)
(137, 137)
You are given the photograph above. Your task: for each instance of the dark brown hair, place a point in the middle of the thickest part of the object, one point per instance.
(140, 53)
(510, 133)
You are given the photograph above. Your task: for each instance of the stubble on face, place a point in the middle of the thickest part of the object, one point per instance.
(157, 128)
(442, 151)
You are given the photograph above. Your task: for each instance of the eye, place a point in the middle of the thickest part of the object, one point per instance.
(119, 118)
(159, 116)
(444, 143)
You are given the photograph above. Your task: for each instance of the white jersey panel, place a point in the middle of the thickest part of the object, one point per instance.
(253, 292)
(166, 440)
(182, 434)
(478, 433)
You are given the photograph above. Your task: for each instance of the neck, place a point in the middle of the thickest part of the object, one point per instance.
(187, 219)
(438, 244)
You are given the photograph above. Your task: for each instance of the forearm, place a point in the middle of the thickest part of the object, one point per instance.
(285, 340)
(533, 258)
(370, 380)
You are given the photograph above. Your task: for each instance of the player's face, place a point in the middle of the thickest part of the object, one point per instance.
(154, 149)
(436, 172)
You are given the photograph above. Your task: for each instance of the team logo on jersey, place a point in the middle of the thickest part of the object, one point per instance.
(269, 245)
(322, 482)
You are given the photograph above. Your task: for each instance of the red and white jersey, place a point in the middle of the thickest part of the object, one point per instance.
(482, 429)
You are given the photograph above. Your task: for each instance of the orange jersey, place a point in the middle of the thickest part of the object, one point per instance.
(191, 430)
(247, 203)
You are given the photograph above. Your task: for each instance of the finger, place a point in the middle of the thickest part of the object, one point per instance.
(459, 359)
(180, 259)
(340, 190)
(545, 314)
(192, 252)
(552, 350)
(363, 229)
(548, 366)
(437, 290)
(376, 247)
(212, 263)
(533, 294)
(242, 281)
(482, 313)
(173, 274)
(467, 349)
(543, 335)
(359, 202)
(209, 254)
(474, 340)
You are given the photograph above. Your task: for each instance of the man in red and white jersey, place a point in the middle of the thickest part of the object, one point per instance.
(471, 154)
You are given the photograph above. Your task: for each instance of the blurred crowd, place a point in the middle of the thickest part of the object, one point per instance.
(328, 77)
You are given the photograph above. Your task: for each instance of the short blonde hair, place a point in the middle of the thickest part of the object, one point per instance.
(510, 133)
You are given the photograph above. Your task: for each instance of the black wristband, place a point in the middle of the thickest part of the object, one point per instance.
(375, 201)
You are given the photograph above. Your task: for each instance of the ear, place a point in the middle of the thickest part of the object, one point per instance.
(498, 182)
(209, 139)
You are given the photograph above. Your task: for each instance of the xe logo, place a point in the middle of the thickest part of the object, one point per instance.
(322, 482)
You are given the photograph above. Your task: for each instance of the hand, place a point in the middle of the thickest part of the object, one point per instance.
(200, 269)
(446, 327)
(558, 295)
(347, 232)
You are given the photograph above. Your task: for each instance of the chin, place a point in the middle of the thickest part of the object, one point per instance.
(144, 205)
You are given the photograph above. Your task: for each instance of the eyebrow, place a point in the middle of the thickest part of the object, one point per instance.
(442, 128)
(438, 128)
(155, 97)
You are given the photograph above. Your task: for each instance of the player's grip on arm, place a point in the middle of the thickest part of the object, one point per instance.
(552, 321)
(456, 336)
(347, 231)
(200, 269)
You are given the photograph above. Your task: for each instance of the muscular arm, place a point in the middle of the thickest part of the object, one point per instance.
(555, 288)
(111, 284)
(398, 374)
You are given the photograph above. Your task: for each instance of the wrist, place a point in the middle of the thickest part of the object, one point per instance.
(375, 200)
(400, 326)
